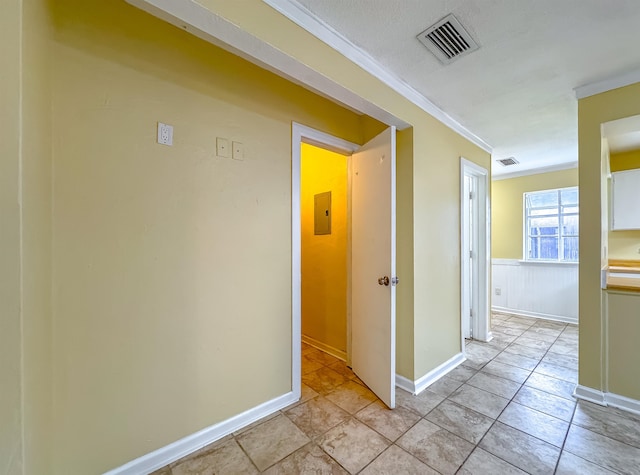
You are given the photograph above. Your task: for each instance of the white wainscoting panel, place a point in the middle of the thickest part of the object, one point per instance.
(543, 290)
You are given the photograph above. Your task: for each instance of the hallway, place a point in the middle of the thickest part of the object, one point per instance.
(507, 409)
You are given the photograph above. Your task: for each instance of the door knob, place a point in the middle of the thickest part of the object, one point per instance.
(383, 280)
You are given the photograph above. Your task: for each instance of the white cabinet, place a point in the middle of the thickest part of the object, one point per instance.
(625, 197)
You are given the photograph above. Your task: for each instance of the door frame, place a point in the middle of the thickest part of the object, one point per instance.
(304, 134)
(481, 238)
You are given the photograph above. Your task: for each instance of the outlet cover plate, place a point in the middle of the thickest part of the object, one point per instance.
(165, 134)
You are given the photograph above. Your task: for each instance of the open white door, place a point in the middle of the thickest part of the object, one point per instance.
(373, 254)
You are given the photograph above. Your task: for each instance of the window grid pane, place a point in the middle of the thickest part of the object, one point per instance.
(551, 218)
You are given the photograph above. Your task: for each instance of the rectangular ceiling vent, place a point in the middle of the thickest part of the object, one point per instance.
(505, 162)
(448, 40)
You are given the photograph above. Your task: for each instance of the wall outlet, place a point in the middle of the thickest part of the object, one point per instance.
(222, 147)
(238, 151)
(165, 134)
(498, 291)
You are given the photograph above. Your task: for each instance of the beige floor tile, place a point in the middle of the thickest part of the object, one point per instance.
(522, 450)
(421, 404)
(390, 423)
(309, 365)
(352, 396)
(602, 451)
(573, 465)
(437, 447)
(444, 386)
(541, 330)
(551, 385)
(308, 459)
(506, 371)
(323, 380)
(460, 420)
(555, 406)
(481, 462)
(537, 335)
(162, 471)
(342, 368)
(257, 423)
(480, 400)
(558, 372)
(623, 428)
(272, 441)
(316, 416)
(564, 347)
(494, 384)
(395, 460)
(228, 458)
(516, 360)
(525, 350)
(531, 343)
(353, 445)
(535, 423)
(462, 373)
(325, 358)
(566, 361)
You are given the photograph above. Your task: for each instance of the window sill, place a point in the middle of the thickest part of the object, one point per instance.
(554, 263)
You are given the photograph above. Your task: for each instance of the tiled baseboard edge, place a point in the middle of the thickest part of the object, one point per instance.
(189, 444)
(542, 316)
(420, 384)
(341, 355)
(607, 399)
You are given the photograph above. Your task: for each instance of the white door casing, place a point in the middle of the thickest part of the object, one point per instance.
(476, 295)
(373, 258)
(373, 337)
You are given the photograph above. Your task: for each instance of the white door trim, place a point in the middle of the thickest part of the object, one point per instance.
(481, 242)
(303, 134)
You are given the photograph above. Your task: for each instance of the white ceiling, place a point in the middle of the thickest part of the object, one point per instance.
(517, 91)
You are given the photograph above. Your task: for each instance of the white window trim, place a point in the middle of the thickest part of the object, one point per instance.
(525, 231)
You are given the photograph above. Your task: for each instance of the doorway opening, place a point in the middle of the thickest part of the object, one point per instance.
(367, 257)
(474, 265)
(325, 249)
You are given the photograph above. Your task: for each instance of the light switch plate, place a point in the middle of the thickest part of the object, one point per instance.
(238, 151)
(222, 147)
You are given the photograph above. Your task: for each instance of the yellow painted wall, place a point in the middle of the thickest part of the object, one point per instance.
(172, 268)
(624, 244)
(25, 242)
(11, 417)
(624, 160)
(624, 356)
(507, 208)
(37, 236)
(434, 173)
(324, 257)
(592, 112)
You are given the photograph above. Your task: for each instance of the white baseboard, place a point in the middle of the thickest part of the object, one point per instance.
(420, 384)
(589, 394)
(607, 399)
(622, 402)
(405, 383)
(342, 355)
(543, 316)
(189, 444)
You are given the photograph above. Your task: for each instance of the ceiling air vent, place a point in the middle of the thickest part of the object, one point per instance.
(448, 40)
(505, 162)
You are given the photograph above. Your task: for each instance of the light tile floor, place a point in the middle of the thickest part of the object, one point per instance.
(508, 409)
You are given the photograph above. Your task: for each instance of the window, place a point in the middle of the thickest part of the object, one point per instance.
(551, 225)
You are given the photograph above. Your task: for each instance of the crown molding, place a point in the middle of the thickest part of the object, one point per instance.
(198, 20)
(608, 84)
(536, 171)
(325, 33)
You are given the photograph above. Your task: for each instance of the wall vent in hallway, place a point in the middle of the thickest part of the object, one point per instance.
(448, 40)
